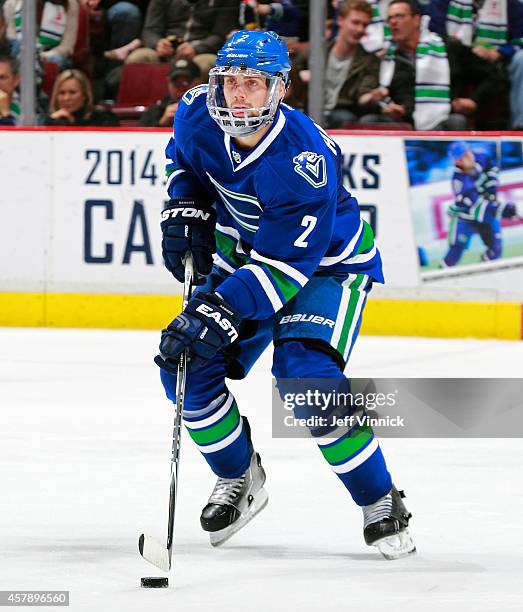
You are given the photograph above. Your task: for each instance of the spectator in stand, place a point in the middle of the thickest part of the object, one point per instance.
(351, 72)
(178, 28)
(58, 27)
(493, 30)
(183, 75)
(420, 77)
(281, 17)
(124, 19)
(72, 103)
(9, 81)
(299, 43)
(8, 46)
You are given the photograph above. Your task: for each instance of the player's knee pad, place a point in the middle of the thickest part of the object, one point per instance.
(305, 359)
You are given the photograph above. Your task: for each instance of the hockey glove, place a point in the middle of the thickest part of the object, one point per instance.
(510, 211)
(206, 325)
(188, 225)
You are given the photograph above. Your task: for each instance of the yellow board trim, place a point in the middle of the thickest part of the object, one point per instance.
(381, 317)
(96, 310)
(436, 319)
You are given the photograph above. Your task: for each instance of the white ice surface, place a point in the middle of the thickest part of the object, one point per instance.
(84, 469)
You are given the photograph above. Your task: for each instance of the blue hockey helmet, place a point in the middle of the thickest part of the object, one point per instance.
(249, 53)
(458, 148)
(264, 51)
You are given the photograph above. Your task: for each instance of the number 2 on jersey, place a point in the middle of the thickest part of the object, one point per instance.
(309, 222)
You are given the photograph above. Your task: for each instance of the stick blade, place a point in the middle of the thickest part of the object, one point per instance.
(154, 552)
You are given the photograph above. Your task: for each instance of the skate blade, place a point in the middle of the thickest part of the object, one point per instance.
(396, 546)
(261, 499)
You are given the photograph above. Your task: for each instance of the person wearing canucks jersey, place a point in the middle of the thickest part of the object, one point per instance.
(259, 186)
(475, 209)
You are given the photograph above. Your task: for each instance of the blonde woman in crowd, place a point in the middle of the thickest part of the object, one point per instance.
(72, 103)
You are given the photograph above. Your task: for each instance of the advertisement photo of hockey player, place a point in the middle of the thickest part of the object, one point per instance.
(466, 203)
(260, 186)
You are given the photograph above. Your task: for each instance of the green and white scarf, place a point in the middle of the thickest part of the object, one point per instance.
(52, 25)
(377, 35)
(432, 94)
(487, 28)
(491, 24)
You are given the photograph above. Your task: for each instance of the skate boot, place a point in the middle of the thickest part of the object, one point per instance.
(234, 502)
(385, 525)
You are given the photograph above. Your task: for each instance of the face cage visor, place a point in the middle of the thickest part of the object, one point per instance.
(252, 119)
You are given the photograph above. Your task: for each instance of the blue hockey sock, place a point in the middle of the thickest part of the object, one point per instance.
(453, 255)
(212, 419)
(355, 457)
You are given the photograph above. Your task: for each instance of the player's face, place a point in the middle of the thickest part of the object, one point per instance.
(403, 24)
(245, 92)
(8, 80)
(466, 162)
(353, 26)
(70, 96)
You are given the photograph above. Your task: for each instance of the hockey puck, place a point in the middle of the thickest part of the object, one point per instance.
(155, 583)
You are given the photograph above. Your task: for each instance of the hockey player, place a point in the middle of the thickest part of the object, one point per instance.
(475, 208)
(260, 185)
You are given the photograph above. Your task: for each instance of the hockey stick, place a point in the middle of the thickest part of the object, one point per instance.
(150, 549)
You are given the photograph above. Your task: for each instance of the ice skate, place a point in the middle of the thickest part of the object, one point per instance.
(234, 502)
(385, 525)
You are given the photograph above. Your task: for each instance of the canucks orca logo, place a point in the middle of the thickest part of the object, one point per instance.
(312, 167)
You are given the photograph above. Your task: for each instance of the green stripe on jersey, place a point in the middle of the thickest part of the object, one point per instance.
(227, 246)
(355, 294)
(367, 239)
(286, 287)
(347, 446)
(217, 431)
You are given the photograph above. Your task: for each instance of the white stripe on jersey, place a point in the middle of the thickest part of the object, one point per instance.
(355, 317)
(329, 261)
(275, 130)
(342, 310)
(221, 263)
(282, 267)
(266, 285)
(171, 176)
(362, 257)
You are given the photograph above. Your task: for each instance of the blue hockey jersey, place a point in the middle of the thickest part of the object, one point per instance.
(475, 193)
(282, 211)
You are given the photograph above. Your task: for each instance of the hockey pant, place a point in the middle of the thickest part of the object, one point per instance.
(462, 230)
(313, 336)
